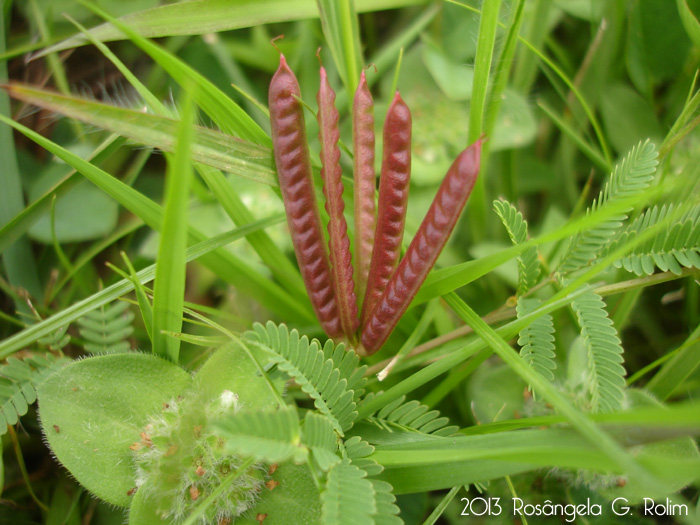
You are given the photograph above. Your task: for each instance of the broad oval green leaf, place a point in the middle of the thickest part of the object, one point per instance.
(92, 410)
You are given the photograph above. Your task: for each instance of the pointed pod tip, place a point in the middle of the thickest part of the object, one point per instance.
(468, 162)
(399, 110)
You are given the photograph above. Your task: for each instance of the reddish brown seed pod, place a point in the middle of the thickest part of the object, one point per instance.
(296, 183)
(424, 249)
(338, 240)
(393, 198)
(364, 176)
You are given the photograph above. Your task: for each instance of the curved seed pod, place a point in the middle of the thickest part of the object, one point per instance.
(339, 243)
(424, 250)
(296, 182)
(393, 198)
(365, 211)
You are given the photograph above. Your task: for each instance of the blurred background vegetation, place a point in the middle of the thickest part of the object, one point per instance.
(634, 62)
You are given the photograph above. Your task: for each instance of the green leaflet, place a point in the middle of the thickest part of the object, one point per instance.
(631, 177)
(349, 497)
(412, 415)
(516, 226)
(19, 379)
(676, 246)
(605, 381)
(537, 339)
(352, 498)
(266, 435)
(330, 375)
(319, 435)
(106, 329)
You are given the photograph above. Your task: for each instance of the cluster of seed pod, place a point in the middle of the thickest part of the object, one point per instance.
(361, 305)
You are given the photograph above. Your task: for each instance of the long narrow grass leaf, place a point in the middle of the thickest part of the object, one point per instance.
(169, 284)
(33, 333)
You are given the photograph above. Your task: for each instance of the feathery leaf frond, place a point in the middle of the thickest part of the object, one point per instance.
(266, 435)
(323, 373)
(630, 177)
(516, 226)
(537, 339)
(358, 452)
(349, 497)
(605, 381)
(19, 379)
(319, 435)
(106, 329)
(674, 247)
(414, 416)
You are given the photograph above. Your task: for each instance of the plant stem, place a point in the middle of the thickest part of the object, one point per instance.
(444, 502)
(233, 476)
(23, 467)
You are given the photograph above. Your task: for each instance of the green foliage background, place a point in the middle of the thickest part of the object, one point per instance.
(579, 248)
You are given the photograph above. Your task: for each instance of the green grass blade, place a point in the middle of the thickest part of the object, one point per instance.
(29, 335)
(278, 263)
(148, 97)
(455, 358)
(209, 147)
(601, 440)
(444, 280)
(482, 73)
(17, 259)
(90, 253)
(207, 16)
(340, 27)
(224, 264)
(169, 285)
(220, 108)
(482, 68)
(141, 297)
(21, 222)
(588, 150)
(569, 83)
(419, 466)
(675, 371)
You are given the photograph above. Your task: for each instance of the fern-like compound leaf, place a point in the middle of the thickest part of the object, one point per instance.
(631, 177)
(106, 329)
(387, 510)
(358, 452)
(19, 379)
(412, 415)
(605, 381)
(674, 247)
(516, 226)
(57, 339)
(537, 339)
(349, 497)
(319, 435)
(265, 435)
(323, 373)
